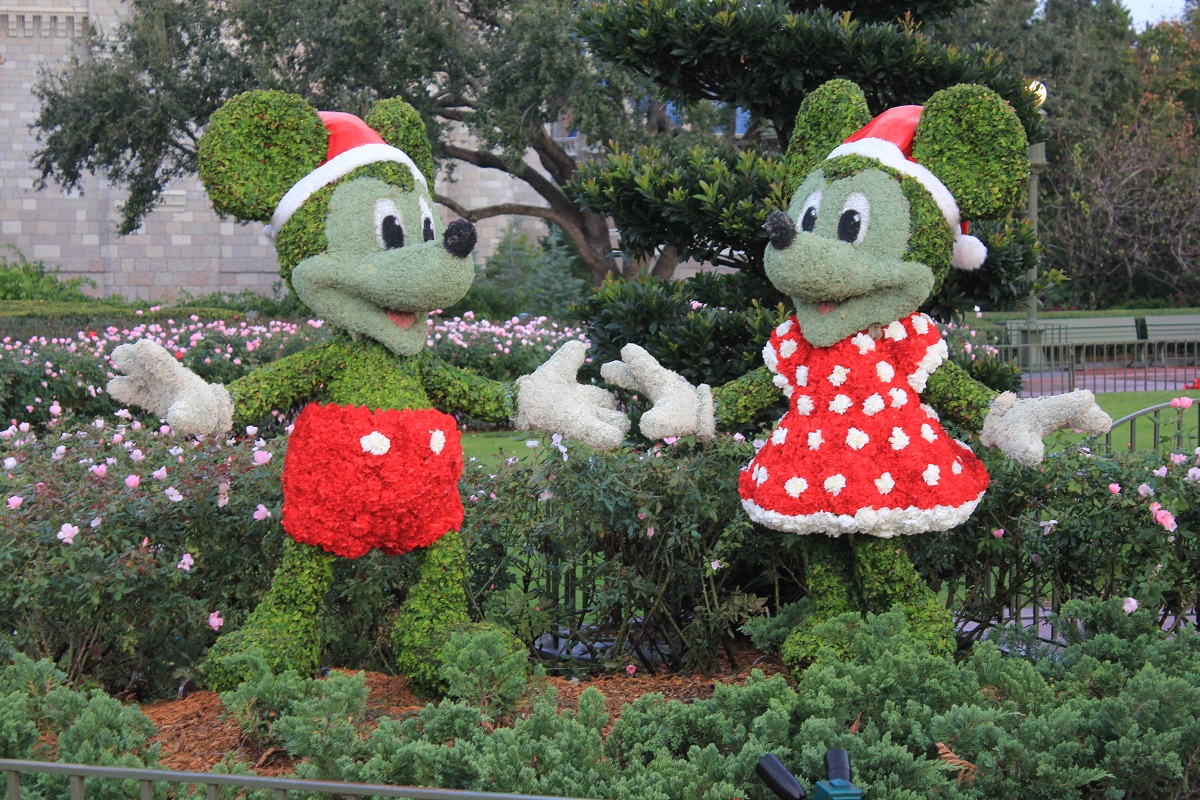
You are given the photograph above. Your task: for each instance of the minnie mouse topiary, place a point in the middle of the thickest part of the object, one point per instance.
(875, 224)
(373, 460)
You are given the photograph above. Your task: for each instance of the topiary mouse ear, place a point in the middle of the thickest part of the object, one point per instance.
(401, 126)
(256, 146)
(975, 144)
(830, 113)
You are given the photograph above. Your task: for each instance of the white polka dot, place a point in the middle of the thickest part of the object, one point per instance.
(795, 486)
(804, 405)
(838, 376)
(895, 332)
(884, 483)
(802, 376)
(840, 404)
(932, 474)
(956, 467)
(929, 412)
(788, 391)
(920, 324)
(770, 359)
(779, 436)
(885, 371)
(899, 439)
(814, 440)
(787, 347)
(783, 328)
(759, 474)
(864, 343)
(781, 381)
(927, 433)
(834, 484)
(964, 445)
(873, 405)
(856, 439)
(437, 440)
(899, 397)
(375, 443)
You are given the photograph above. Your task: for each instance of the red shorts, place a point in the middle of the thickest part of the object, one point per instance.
(354, 479)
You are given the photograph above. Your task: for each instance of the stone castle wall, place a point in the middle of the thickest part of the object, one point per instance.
(183, 245)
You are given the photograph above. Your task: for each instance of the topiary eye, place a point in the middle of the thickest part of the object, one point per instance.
(389, 229)
(426, 221)
(854, 219)
(812, 207)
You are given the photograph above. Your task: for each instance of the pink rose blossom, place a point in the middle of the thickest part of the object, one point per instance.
(261, 457)
(1145, 491)
(186, 562)
(251, 430)
(173, 494)
(1166, 519)
(1182, 403)
(159, 474)
(164, 429)
(998, 533)
(1130, 605)
(133, 481)
(1114, 488)
(1161, 472)
(262, 512)
(68, 533)
(136, 455)
(1178, 458)
(630, 669)
(117, 438)
(650, 532)
(99, 470)
(1154, 507)
(15, 501)
(215, 621)
(55, 409)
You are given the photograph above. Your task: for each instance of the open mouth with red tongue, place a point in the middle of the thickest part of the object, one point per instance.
(823, 308)
(402, 319)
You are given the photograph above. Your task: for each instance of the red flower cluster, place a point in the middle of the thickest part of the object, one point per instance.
(354, 479)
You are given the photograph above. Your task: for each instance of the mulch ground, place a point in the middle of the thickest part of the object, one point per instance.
(195, 734)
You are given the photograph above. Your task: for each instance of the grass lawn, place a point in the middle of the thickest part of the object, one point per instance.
(492, 448)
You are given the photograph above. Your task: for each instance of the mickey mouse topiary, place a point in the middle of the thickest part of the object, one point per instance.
(875, 224)
(373, 460)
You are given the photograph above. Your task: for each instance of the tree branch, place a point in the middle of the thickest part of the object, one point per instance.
(499, 210)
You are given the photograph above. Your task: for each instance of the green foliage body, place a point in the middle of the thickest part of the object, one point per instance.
(435, 606)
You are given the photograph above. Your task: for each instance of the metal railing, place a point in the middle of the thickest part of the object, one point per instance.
(147, 779)
(1172, 433)
(1128, 366)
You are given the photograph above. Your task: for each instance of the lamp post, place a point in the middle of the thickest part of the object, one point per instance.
(1037, 162)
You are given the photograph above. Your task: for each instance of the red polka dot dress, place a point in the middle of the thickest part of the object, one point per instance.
(857, 451)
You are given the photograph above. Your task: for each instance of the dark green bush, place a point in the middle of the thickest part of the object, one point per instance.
(710, 328)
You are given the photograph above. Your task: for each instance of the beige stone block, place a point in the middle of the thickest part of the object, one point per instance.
(10, 226)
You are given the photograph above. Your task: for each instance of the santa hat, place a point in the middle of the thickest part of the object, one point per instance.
(888, 139)
(352, 144)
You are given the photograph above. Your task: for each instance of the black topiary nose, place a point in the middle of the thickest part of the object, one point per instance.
(460, 238)
(780, 229)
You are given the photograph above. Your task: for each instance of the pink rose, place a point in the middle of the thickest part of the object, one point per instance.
(998, 533)
(186, 562)
(133, 481)
(1166, 519)
(215, 621)
(15, 501)
(68, 533)
(1114, 488)
(99, 470)
(261, 457)
(1130, 605)
(630, 669)
(159, 474)
(262, 512)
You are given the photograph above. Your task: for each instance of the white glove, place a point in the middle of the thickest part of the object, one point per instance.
(155, 381)
(680, 409)
(1017, 427)
(551, 399)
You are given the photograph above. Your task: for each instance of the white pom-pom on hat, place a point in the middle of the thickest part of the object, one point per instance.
(969, 252)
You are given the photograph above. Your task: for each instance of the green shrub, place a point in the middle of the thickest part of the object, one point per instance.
(28, 280)
(485, 667)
